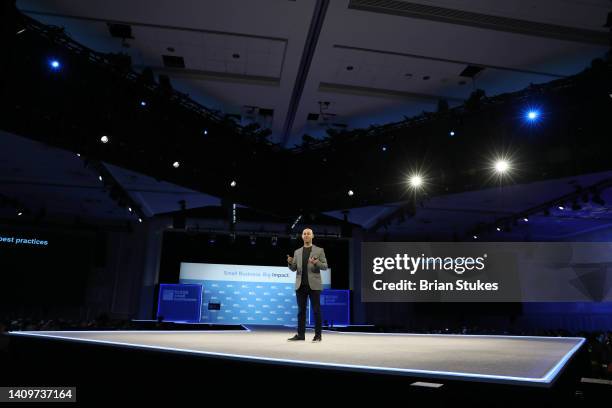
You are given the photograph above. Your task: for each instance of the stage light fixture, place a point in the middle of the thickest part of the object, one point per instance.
(532, 115)
(451, 133)
(55, 65)
(501, 166)
(351, 193)
(176, 164)
(205, 132)
(233, 183)
(104, 139)
(143, 103)
(498, 229)
(415, 181)
(526, 219)
(560, 207)
(139, 219)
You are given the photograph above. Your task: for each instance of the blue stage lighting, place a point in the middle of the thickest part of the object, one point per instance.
(532, 115)
(55, 65)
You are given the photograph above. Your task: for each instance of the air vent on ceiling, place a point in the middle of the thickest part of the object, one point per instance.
(120, 30)
(266, 112)
(173, 61)
(471, 71)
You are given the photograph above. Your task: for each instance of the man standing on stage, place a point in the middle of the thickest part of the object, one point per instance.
(308, 261)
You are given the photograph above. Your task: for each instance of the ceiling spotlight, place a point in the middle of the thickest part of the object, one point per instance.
(561, 207)
(475, 236)
(55, 65)
(501, 166)
(130, 209)
(384, 148)
(205, 132)
(526, 219)
(176, 165)
(415, 181)
(451, 133)
(104, 139)
(19, 213)
(351, 193)
(100, 178)
(139, 219)
(143, 103)
(532, 115)
(233, 183)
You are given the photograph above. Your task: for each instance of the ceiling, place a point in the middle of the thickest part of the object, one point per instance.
(341, 63)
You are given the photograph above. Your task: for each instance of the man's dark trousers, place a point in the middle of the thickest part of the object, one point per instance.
(315, 302)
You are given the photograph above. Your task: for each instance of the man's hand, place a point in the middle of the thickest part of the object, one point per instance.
(289, 259)
(312, 260)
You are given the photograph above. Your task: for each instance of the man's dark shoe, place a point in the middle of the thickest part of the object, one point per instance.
(316, 338)
(296, 338)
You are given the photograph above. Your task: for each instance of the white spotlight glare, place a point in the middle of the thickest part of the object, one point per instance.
(501, 166)
(104, 139)
(233, 183)
(416, 181)
(130, 209)
(351, 193)
(139, 219)
(176, 165)
(100, 178)
(526, 219)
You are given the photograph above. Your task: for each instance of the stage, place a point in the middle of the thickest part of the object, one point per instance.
(512, 360)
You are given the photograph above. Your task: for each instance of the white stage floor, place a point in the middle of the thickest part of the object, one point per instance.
(502, 359)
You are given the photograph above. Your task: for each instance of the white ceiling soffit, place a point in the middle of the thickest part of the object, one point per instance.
(482, 20)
